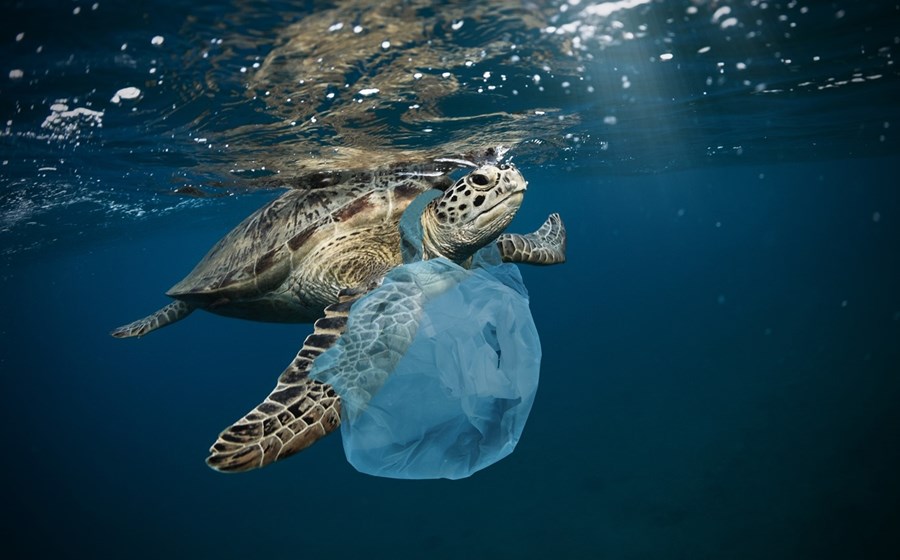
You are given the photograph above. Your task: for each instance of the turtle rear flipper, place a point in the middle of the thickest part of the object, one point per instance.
(297, 413)
(545, 246)
(175, 311)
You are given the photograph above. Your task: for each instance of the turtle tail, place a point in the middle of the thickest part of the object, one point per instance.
(297, 413)
(175, 311)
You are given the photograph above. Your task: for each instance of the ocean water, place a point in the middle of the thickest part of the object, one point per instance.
(721, 352)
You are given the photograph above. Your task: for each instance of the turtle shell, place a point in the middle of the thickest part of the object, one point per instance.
(258, 255)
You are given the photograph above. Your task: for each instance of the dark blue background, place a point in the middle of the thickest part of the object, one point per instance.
(705, 391)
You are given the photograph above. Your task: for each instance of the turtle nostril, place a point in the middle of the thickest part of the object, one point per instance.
(480, 180)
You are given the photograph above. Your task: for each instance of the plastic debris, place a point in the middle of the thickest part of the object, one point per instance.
(437, 370)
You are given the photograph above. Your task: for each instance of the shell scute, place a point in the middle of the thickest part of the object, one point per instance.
(257, 255)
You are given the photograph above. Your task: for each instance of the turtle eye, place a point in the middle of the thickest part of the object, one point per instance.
(479, 179)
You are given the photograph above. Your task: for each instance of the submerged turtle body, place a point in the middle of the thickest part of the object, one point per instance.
(290, 258)
(311, 253)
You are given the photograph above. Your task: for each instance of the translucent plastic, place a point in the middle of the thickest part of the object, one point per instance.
(437, 371)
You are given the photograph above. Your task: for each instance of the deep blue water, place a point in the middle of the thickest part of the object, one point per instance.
(721, 352)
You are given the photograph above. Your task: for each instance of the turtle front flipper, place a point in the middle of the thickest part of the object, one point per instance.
(545, 246)
(296, 413)
(175, 311)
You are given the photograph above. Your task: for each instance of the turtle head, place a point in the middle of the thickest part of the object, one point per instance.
(472, 213)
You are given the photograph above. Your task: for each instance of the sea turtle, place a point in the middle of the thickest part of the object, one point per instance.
(309, 254)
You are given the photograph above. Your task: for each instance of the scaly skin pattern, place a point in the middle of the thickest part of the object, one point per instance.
(175, 311)
(296, 413)
(306, 252)
(300, 410)
(545, 246)
(472, 213)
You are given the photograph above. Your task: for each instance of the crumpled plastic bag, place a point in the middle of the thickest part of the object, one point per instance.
(437, 370)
